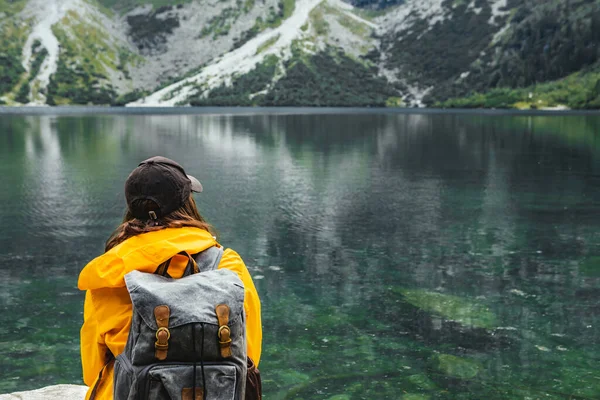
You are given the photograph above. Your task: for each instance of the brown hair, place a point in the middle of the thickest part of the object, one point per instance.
(186, 216)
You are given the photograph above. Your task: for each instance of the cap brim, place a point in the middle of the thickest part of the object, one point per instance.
(196, 185)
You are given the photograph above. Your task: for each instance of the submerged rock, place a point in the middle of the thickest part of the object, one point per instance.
(453, 308)
(457, 367)
(58, 392)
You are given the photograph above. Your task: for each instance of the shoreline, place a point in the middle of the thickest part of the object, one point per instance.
(100, 110)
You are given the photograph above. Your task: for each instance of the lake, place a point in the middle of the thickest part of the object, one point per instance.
(397, 255)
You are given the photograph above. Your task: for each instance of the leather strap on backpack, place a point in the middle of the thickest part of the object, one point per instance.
(162, 314)
(224, 334)
(188, 394)
(191, 268)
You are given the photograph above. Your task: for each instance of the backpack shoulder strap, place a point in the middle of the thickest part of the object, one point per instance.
(209, 259)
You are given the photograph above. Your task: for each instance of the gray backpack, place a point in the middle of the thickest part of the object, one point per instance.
(188, 336)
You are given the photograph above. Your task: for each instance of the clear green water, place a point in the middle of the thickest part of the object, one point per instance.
(397, 256)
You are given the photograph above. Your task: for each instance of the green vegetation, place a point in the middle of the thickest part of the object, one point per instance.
(370, 13)
(545, 42)
(149, 31)
(288, 7)
(86, 42)
(428, 56)
(285, 9)
(580, 90)
(39, 54)
(329, 79)
(354, 26)
(11, 7)
(247, 35)
(72, 84)
(320, 19)
(23, 93)
(220, 25)
(326, 79)
(130, 97)
(81, 69)
(85, 59)
(126, 58)
(395, 102)
(317, 19)
(126, 5)
(12, 40)
(267, 44)
(376, 6)
(242, 89)
(453, 308)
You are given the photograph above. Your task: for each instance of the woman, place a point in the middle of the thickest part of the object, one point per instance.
(162, 220)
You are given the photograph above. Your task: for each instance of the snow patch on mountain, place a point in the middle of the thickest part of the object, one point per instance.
(498, 9)
(46, 13)
(476, 10)
(405, 15)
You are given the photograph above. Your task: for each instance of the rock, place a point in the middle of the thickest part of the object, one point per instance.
(464, 311)
(458, 367)
(58, 392)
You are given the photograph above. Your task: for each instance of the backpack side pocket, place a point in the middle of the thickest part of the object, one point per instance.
(253, 382)
(124, 378)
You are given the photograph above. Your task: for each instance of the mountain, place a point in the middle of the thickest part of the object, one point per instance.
(446, 53)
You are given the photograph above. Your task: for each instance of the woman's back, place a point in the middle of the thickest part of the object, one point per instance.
(150, 243)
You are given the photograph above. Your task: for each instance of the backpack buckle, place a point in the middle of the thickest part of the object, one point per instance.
(161, 329)
(162, 314)
(162, 342)
(224, 333)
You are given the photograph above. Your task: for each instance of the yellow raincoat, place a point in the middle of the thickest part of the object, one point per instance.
(108, 310)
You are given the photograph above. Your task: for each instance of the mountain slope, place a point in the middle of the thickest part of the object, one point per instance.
(453, 48)
(315, 28)
(300, 52)
(95, 54)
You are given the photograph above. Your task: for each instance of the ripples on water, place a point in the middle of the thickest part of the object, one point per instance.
(397, 256)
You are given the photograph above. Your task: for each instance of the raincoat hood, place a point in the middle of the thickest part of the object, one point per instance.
(142, 253)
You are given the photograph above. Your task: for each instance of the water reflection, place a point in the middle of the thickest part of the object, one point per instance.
(442, 256)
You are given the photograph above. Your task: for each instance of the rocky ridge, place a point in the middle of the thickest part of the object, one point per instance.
(499, 53)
